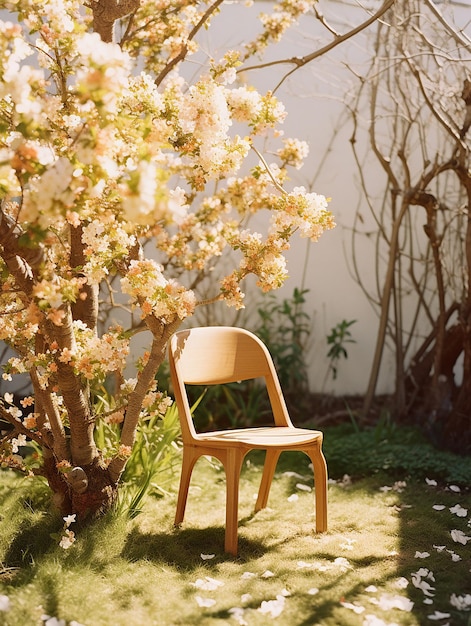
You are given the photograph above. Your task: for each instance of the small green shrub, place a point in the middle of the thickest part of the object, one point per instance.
(285, 329)
(338, 337)
(397, 451)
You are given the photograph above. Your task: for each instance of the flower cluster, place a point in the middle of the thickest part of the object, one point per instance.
(95, 357)
(125, 184)
(156, 295)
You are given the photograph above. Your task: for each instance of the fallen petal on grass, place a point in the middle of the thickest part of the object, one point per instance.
(462, 603)
(303, 487)
(209, 584)
(273, 608)
(459, 537)
(205, 602)
(356, 608)
(459, 511)
(237, 613)
(422, 555)
(438, 616)
(388, 601)
(4, 603)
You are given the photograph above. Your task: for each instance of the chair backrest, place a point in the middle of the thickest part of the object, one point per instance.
(221, 354)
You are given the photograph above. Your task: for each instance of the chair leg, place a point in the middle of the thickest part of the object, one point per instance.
(320, 484)
(188, 463)
(232, 467)
(271, 459)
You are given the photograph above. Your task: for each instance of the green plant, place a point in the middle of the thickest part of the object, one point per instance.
(152, 462)
(153, 458)
(338, 337)
(285, 329)
(238, 404)
(399, 451)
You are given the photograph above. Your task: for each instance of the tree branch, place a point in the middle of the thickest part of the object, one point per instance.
(161, 333)
(184, 51)
(339, 39)
(107, 12)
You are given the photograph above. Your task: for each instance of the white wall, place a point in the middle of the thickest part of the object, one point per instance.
(314, 97)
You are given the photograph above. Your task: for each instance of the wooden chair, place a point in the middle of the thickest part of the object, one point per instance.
(217, 355)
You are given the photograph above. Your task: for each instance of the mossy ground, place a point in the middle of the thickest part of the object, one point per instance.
(144, 571)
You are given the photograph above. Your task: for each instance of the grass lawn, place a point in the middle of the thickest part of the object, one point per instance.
(396, 552)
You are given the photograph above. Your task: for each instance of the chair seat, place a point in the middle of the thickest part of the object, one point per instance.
(269, 437)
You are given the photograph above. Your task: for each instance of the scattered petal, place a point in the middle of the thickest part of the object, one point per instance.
(423, 584)
(428, 601)
(431, 481)
(348, 544)
(52, 621)
(293, 497)
(4, 603)
(422, 555)
(238, 614)
(438, 507)
(399, 486)
(313, 591)
(462, 603)
(302, 487)
(273, 608)
(438, 616)
(267, 574)
(371, 589)
(285, 593)
(460, 537)
(454, 488)
(401, 583)
(204, 602)
(247, 575)
(294, 475)
(303, 564)
(207, 557)
(439, 548)
(343, 563)
(388, 601)
(209, 584)
(356, 608)
(245, 597)
(385, 489)
(454, 557)
(459, 511)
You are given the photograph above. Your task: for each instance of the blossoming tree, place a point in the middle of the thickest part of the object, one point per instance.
(122, 183)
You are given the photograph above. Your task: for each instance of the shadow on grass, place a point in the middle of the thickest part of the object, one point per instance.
(183, 548)
(32, 541)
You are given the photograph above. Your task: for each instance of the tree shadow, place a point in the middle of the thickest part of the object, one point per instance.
(31, 542)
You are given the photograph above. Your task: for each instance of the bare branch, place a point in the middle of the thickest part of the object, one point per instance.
(339, 39)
